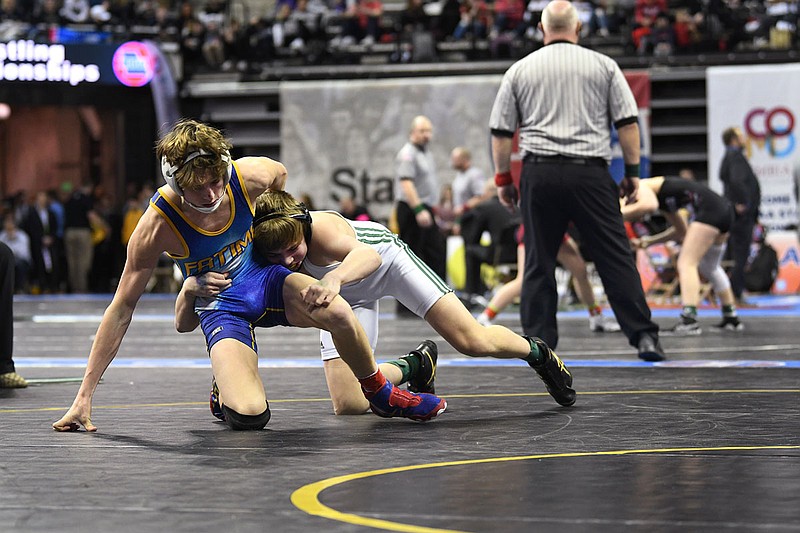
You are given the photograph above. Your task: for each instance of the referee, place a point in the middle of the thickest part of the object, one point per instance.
(563, 98)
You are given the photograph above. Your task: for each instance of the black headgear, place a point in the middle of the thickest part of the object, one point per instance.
(303, 216)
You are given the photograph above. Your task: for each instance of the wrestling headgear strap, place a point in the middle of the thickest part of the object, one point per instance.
(169, 170)
(304, 216)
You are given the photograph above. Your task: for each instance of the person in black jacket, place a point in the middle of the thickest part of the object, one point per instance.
(742, 189)
(40, 223)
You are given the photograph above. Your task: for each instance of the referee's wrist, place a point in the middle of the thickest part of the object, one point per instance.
(632, 171)
(502, 179)
(419, 209)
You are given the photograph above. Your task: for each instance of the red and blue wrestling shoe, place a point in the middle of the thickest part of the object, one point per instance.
(389, 401)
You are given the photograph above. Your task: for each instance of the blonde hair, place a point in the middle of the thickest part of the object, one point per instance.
(189, 136)
(281, 231)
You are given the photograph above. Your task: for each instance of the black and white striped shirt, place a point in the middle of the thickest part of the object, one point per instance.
(563, 98)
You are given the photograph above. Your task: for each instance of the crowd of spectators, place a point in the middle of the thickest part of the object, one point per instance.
(48, 259)
(222, 35)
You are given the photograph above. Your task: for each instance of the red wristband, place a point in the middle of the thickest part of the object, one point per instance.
(503, 178)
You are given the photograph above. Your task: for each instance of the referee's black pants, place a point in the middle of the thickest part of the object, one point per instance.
(6, 309)
(429, 244)
(552, 195)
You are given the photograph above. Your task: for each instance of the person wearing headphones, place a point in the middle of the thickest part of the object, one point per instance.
(363, 262)
(202, 218)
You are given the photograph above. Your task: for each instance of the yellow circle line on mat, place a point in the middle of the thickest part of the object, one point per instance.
(447, 396)
(306, 498)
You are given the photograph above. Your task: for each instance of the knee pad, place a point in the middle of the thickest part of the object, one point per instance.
(240, 422)
(710, 268)
(711, 260)
(719, 280)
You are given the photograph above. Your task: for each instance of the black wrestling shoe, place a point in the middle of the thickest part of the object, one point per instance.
(552, 371)
(729, 323)
(686, 327)
(423, 381)
(213, 401)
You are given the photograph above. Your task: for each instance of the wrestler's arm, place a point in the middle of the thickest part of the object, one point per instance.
(209, 284)
(334, 241)
(646, 203)
(675, 232)
(260, 174)
(144, 249)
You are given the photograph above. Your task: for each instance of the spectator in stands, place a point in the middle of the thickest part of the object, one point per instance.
(488, 216)
(108, 251)
(145, 13)
(362, 22)
(235, 42)
(469, 184)
(661, 41)
(448, 19)
(185, 13)
(414, 18)
(167, 23)
(213, 46)
(260, 46)
(79, 215)
(18, 10)
(645, 15)
(307, 25)
(475, 20)
(352, 210)
(75, 11)
(193, 36)
(687, 33)
(57, 199)
(39, 222)
(133, 211)
(508, 27)
(46, 12)
(212, 12)
(101, 13)
(444, 212)
(18, 241)
(508, 15)
(593, 18)
(646, 11)
(727, 24)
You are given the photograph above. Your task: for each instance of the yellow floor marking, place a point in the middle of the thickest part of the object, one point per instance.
(306, 498)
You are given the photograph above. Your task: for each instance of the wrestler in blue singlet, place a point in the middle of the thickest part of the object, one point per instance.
(255, 297)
